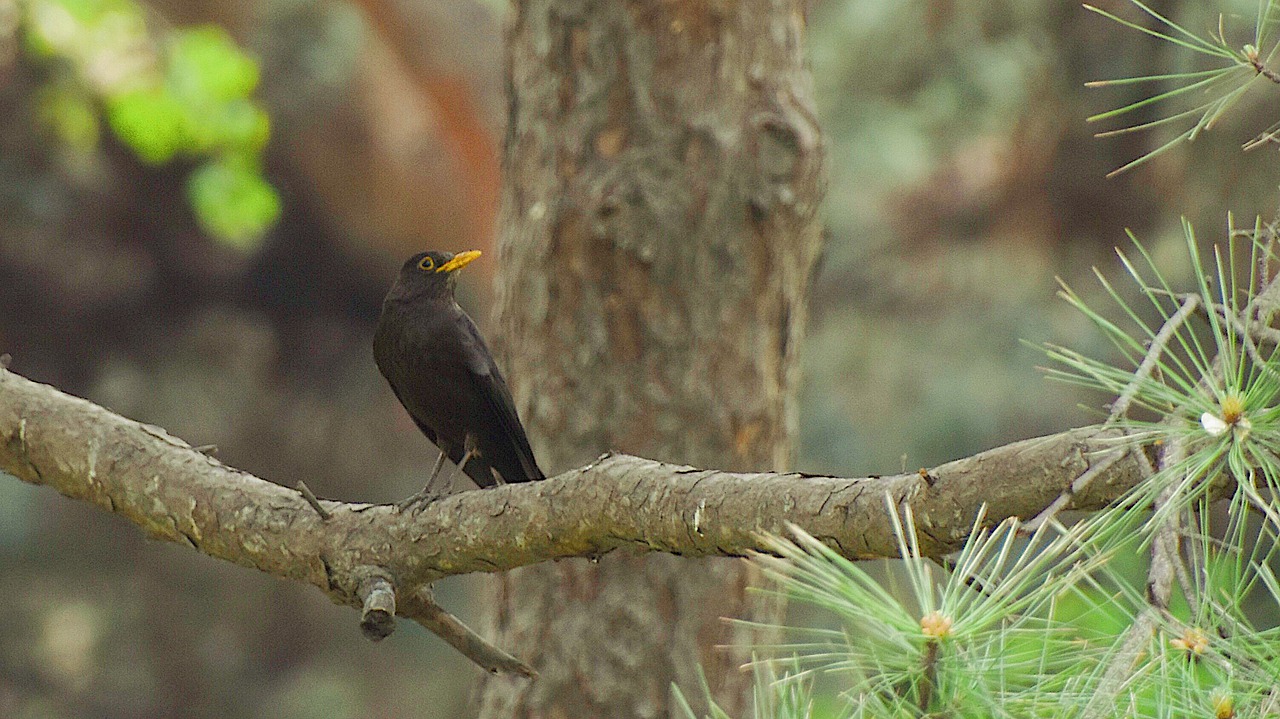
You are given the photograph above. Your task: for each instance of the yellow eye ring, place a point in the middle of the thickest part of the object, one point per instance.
(427, 264)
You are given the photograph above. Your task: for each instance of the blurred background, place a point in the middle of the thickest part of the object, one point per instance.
(202, 204)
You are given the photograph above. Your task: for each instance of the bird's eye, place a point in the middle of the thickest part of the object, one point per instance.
(427, 264)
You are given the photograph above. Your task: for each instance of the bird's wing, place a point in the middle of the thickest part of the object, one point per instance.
(489, 384)
(454, 453)
(392, 366)
(430, 433)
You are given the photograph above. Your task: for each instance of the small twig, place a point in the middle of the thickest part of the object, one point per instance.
(1149, 363)
(1118, 409)
(1263, 70)
(1165, 553)
(378, 620)
(1267, 300)
(1264, 260)
(1164, 560)
(1250, 347)
(1244, 323)
(1103, 464)
(310, 496)
(421, 607)
(1248, 323)
(1259, 503)
(1264, 332)
(1249, 329)
(929, 682)
(378, 594)
(1180, 571)
(1120, 670)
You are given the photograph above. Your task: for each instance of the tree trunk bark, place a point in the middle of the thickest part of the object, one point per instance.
(658, 234)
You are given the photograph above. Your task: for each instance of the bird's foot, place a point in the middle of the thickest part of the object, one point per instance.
(420, 500)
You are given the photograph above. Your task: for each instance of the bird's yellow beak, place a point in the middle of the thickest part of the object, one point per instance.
(460, 260)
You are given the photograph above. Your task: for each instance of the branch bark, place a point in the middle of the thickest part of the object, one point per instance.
(175, 493)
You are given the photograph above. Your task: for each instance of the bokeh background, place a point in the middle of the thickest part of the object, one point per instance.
(202, 203)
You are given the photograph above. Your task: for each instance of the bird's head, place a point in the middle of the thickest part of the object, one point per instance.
(429, 273)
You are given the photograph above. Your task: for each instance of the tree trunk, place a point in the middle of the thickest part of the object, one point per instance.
(663, 170)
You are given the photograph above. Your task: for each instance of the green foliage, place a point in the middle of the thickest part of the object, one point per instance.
(184, 93)
(232, 200)
(1209, 375)
(774, 697)
(151, 121)
(1070, 622)
(1062, 623)
(1022, 628)
(1213, 393)
(981, 638)
(1197, 98)
(203, 105)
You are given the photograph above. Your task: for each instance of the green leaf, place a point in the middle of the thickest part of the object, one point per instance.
(177, 92)
(150, 121)
(233, 202)
(240, 125)
(207, 67)
(88, 11)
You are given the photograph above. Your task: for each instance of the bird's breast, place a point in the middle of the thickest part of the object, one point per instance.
(421, 355)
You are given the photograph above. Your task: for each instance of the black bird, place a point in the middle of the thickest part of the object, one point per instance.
(442, 372)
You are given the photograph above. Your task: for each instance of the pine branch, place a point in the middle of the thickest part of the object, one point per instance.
(175, 493)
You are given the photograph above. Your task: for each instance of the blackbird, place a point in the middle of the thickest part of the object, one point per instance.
(438, 365)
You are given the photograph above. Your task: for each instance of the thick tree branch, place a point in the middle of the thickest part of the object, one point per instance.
(177, 494)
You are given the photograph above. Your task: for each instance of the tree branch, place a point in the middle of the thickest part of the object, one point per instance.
(175, 493)
(423, 609)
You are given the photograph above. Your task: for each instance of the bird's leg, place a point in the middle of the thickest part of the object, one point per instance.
(428, 492)
(469, 444)
(471, 450)
(435, 472)
(474, 451)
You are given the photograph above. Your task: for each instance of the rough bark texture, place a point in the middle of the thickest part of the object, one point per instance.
(663, 168)
(177, 494)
